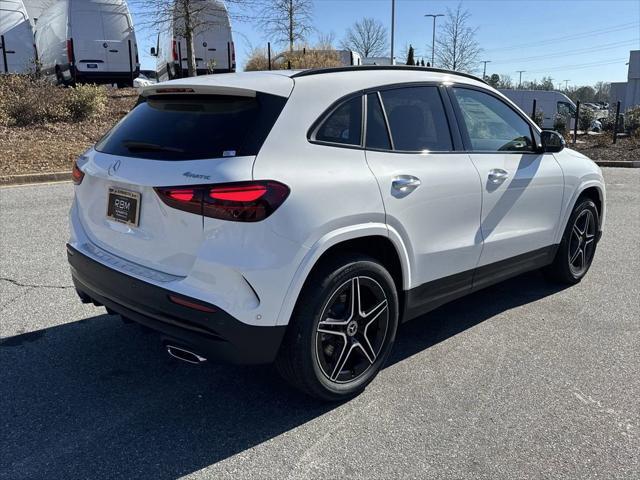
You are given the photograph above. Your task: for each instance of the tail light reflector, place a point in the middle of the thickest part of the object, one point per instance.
(70, 54)
(76, 174)
(236, 202)
(185, 302)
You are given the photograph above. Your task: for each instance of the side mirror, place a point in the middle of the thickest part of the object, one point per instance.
(153, 52)
(552, 141)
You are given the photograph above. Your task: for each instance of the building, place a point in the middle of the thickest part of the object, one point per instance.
(628, 93)
(376, 61)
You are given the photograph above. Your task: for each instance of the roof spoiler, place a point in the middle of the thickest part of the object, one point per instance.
(186, 89)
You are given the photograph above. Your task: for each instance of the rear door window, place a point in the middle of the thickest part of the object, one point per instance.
(188, 127)
(343, 125)
(417, 119)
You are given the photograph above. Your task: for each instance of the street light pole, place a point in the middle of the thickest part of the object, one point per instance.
(520, 81)
(393, 24)
(484, 70)
(433, 41)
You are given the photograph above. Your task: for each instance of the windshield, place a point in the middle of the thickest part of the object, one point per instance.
(188, 127)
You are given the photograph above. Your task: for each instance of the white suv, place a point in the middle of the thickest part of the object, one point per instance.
(299, 217)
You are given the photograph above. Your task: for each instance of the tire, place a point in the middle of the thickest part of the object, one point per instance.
(578, 246)
(330, 351)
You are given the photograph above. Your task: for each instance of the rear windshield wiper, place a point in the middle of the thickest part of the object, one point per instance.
(150, 147)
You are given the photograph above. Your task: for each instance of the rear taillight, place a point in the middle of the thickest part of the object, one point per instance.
(76, 174)
(236, 202)
(70, 54)
(175, 51)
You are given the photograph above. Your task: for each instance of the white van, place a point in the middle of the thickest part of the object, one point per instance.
(550, 103)
(213, 44)
(88, 41)
(17, 52)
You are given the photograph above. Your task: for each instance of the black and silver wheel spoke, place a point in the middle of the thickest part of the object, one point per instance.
(346, 347)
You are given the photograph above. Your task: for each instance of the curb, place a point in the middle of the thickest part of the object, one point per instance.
(34, 178)
(616, 163)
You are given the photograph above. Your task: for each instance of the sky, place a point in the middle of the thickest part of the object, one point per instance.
(582, 41)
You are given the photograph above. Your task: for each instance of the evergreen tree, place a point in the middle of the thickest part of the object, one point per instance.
(410, 59)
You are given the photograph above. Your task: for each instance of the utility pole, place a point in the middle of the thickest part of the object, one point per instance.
(393, 25)
(484, 70)
(520, 81)
(566, 84)
(433, 41)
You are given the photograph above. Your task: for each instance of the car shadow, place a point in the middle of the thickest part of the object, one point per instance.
(98, 399)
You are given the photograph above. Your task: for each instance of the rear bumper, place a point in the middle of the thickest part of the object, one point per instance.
(215, 336)
(104, 77)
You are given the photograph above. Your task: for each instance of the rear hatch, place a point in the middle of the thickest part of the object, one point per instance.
(175, 137)
(101, 33)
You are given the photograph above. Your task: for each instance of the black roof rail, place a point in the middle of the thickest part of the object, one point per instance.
(355, 68)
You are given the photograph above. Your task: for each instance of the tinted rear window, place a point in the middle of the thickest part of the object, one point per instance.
(181, 127)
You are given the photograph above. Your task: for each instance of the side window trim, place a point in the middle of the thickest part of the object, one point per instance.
(462, 127)
(386, 120)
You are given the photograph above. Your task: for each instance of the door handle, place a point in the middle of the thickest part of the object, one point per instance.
(405, 183)
(498, 175)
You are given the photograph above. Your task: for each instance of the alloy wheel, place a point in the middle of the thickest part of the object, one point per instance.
(582, 243)
(352, 329)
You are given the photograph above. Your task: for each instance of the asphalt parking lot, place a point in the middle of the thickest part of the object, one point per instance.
(522, 380)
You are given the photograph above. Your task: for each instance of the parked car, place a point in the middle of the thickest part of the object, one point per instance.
(17, 52)
(550, 103)
(88, 41)
(299, 217)
(213, 43)
(146, 78)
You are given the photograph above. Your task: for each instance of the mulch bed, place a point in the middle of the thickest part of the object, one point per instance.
(601, 147)
(53, 147)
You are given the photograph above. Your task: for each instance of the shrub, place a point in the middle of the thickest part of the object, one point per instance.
(560, 123)
(299, 59)
(25, 100)
(85, 101)
(608, 123)
(538, 117)
(632, 120)
(585, 119)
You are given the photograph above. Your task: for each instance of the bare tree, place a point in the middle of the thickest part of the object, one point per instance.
(189, 17)
(456, 47)
(603, 90)
(286, 21)
(326, 41)
(505, 82)
(368, 37)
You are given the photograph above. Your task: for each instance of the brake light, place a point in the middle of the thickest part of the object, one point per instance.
(175, 51)
(233, 52)
(249, 193)
(182, 195)
(70, 54)
(76, 174)
(175, 90)
(236, 202)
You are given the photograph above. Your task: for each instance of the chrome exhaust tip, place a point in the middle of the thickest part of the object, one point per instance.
(184, 355)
